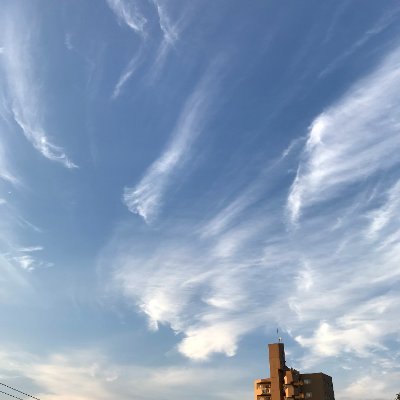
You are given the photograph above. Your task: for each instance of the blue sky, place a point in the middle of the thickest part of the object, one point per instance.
(178, 179)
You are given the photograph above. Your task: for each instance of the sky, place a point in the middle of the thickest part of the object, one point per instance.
(180, 179)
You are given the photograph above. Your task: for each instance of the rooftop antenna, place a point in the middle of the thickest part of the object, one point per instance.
(277, 334)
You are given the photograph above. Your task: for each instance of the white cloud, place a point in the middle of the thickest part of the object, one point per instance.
(201, 342)
(30, 249)
(23, 258)
(6, 171)
(68, 41)
(193, 285)
(161, 295)
(387, 213)
(331, 341)
(128, 13)
(146, 198)
(25, 261)
(15, 257)
(229, 214)
(12, 281)
(249, 194)
(351, 140)
(223, 219)
(170, 31)
(94, 375)
(228, 244)
(26, 104)
(323, 282)
(385, 386)
(385, 21)
(305, 279)
(126, 74)
(53, 375)
(330, 282)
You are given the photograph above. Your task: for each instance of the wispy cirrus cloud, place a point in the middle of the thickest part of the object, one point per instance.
(171, 32)
(11, 232)
(145, 199)
(14, 263)
(95, 375)
(68, 42)
(13, 225)
(24, 85)
(358, 331)
(384, 22)
(128, 14)
(25, 259)
(385, 386)
(127, 74)
(251, 193)
(30, 249)
(334, 156)
(386, 216)
(7, 173)
(195, 284)
(220, 278)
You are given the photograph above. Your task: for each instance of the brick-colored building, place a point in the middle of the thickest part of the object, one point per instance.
(289, 384)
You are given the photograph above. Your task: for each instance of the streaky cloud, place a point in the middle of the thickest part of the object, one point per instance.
(252, 192)
(351, 140)
(6, 171)
(24, 95)
(31, 249)
(213, 288)
(128, 14)
(170, 31)
(126, 75)
(384, 22)
(97, 375)
(68, 42)
(385, 382)
(38, 138)
(164, 287)
(388, 213)
(146, 198)
(25, 262)
(216, 278)
(12, 228)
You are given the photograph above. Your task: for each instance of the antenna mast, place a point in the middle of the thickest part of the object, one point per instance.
(277, 334)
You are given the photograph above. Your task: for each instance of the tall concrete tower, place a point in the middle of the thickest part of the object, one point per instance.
(277, 368)
(289, 384)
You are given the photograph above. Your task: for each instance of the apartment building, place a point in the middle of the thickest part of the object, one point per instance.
(289, 384)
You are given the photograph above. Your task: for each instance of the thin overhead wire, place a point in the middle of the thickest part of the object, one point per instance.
(8, 394)
(10, 387)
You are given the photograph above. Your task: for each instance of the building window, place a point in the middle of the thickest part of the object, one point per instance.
(308, 395)
(307, 381)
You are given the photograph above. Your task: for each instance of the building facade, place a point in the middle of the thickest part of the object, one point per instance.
(289, 384)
